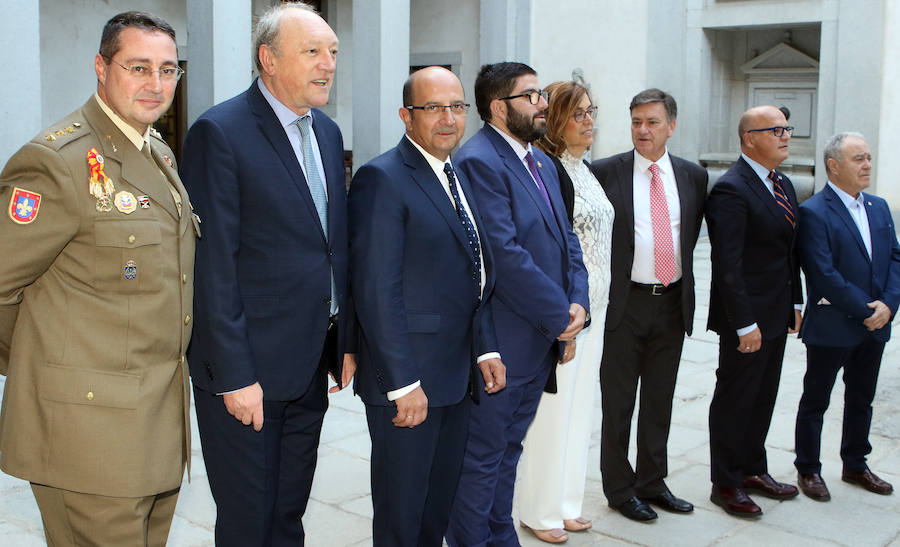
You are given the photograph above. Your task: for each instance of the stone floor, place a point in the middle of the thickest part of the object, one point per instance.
(340, 510)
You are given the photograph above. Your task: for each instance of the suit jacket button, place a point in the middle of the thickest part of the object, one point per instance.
(326, 300)
(89, 396)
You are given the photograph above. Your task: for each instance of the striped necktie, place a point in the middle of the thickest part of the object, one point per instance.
(781, 197)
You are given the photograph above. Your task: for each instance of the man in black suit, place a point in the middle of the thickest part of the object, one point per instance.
(754, 303)
(658, 200)
(422, 275)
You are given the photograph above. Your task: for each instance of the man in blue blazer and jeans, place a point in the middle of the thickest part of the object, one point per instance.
(265, 171)
(540, 297)
(849, 253)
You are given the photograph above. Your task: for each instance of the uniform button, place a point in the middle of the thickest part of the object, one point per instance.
(184, 278)
(89, 396)
(131, 238)
(187, 319)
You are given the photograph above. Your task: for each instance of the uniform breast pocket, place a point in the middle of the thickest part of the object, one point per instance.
(128, 255)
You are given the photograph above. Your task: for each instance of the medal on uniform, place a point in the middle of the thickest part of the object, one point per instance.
(130, 271)
(144, 201)
(125, 202)
(100, 185)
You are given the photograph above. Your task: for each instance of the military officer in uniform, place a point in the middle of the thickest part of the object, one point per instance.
(95, 303)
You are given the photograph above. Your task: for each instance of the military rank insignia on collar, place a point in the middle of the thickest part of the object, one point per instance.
(23, 206)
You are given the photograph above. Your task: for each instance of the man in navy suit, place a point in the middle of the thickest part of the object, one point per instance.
(265, 171)
(849, 252)
(754, 303)
(540, 296)
(422, 275)
(651, 302)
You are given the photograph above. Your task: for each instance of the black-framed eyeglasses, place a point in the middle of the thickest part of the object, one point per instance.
(777, 130)
(579, 114)
(533, 95)
(457, 109)
(144, 72)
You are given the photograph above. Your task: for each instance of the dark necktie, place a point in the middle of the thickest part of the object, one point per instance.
(468, 227)
(532, 166)
(781, 197)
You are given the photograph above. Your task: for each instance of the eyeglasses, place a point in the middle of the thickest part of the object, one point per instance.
(533, 95)
(777, 130)
(143, 72)
(457, 109)
(580, 114)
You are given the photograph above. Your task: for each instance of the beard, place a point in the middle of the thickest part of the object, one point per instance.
(523, 127)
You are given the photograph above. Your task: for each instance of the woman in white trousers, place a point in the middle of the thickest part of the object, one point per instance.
(554, 464)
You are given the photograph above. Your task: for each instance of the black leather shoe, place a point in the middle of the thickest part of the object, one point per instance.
(669, 502)
(635, 509)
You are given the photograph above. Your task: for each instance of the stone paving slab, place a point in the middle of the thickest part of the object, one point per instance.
(340, 509)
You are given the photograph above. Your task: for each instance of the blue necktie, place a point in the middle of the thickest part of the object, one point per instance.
(316, 188)
(468, 227)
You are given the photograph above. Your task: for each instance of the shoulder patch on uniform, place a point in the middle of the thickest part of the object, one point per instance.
(23, 206)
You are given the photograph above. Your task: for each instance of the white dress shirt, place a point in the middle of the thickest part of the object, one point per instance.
(856, 206)
(643, 269)
(438, 167)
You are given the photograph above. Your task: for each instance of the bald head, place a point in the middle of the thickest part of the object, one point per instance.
(440, 130)
(764, 147)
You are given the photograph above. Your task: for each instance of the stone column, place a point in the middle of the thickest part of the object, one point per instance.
(20, 94)
(220, 63)
(380, 67)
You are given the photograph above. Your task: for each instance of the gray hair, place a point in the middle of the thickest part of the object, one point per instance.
(654, 95)
(835, 145)
(266, 31)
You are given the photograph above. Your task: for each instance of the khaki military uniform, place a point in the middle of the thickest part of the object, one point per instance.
(95, 314)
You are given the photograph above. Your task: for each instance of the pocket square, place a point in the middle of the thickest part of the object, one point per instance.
(823, 302)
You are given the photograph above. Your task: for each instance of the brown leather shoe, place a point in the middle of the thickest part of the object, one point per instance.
(765, 485)
(735, 502)
(813, 486)
(868, 480)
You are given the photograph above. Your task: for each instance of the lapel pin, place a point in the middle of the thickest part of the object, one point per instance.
(144, 201)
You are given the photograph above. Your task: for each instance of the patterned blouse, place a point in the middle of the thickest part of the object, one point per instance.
(593, 223)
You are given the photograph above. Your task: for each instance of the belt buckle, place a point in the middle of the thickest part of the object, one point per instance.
(656, 287)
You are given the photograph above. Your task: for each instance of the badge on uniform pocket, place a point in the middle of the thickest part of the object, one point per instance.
(130, 270)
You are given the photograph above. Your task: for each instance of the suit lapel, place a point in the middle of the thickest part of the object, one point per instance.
(273, 131)
(136, 170)
(515, 165)
(766, 197)
(686, 201)
(425, 178)
(625, 179)
(836, 204)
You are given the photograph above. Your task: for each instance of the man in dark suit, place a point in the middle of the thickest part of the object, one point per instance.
(540, 297)
(754, 303)
(422, 275)
(658, 200)
(266, 172)
(848, 250)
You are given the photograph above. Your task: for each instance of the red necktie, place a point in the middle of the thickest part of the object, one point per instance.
(663, 249)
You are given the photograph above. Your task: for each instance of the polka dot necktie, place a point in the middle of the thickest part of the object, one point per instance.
(663, 249)
(468, 227)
